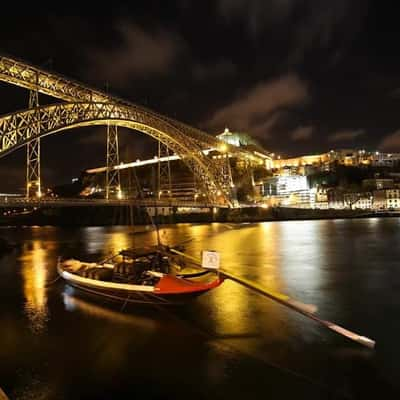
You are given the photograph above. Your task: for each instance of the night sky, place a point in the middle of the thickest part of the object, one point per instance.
(300, 76)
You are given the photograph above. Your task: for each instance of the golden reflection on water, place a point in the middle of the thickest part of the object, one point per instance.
(93, 239)
(251, 251)
(304, 265)
(34, 273)
(118, 240)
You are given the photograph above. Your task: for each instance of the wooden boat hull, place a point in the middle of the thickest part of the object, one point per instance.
(168, 290)
(142, 298)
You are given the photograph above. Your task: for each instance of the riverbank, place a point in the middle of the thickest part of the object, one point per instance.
(106, 216)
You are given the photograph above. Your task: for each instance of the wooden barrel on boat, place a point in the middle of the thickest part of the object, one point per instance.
(118, 267)
(123, 268)
(102, 274)
(88, 272)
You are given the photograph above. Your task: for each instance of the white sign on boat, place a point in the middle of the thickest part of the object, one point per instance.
(210, 259)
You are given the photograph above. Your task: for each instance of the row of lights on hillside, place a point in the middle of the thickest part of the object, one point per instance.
(278, 156)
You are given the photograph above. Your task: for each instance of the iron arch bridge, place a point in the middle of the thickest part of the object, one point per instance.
(19, 128)
(84, 106)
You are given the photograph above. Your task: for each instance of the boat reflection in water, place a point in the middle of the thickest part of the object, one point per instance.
(73, 303)
(34, 274)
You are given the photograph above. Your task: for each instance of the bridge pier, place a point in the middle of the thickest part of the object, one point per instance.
(113, 182)
(164, 172)
(33, 186)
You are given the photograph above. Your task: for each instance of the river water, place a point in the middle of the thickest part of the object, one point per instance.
(59, 343)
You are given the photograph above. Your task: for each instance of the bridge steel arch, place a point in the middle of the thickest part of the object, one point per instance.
(19, 128)
(28, 76)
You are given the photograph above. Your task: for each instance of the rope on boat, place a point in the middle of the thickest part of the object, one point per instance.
(126, 301)
(52, 282)
(194, 274)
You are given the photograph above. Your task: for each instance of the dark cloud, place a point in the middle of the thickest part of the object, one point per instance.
(391, 142)
(255, 109)
(346, 135)
(332, 25)
(256, 14)
(138, 54)
(96, 136)
(302, 133)
(303, 26)
(12, 178)
(217, 70)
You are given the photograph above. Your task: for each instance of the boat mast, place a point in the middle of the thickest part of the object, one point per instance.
(141, 196)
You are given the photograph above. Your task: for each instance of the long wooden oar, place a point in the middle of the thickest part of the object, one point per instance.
(282, 298)
(306, 309)
(3, 395)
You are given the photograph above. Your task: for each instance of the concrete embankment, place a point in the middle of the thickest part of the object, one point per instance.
(89, 216)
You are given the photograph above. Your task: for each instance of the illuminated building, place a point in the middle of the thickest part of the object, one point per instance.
(362, 200)
(293, 190)
(385, 159)
(257, 153)
(300, 161)
(377, 183)
(346, 157)
(386, 199)
(237, 139)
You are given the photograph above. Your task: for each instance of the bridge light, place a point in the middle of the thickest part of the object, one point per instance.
(223, 147)
(119, 194)
(219, 193)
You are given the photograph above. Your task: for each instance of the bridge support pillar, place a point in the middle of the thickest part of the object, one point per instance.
(164, 172)
(224, 166)
(33, 187)
(113, 183)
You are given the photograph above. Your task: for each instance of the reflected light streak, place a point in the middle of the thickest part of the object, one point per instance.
(249, 251)
(302, 255)
(34, 273)
(118, 241)
(93, 239)
(73, 303)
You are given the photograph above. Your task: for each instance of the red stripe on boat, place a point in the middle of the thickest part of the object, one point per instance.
(172, 285)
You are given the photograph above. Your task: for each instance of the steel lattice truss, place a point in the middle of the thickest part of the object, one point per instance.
(92, 107)
(31, 77)
(19, 128)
